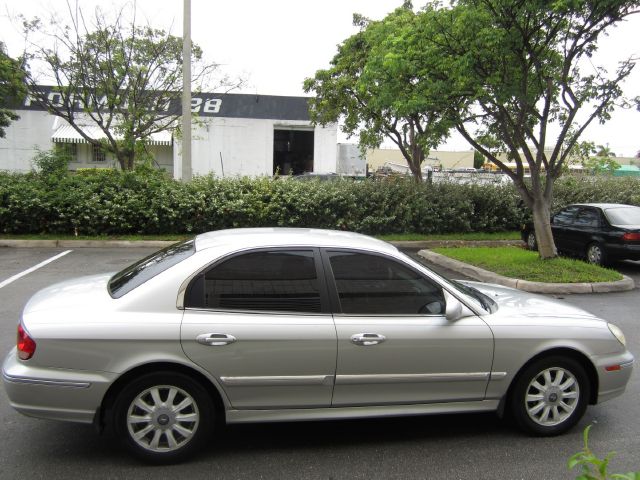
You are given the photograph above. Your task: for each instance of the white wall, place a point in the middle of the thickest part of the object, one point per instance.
(325, 159)
(23, 137)
(246, 146)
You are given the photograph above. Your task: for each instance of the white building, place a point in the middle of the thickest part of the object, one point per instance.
(233, 135)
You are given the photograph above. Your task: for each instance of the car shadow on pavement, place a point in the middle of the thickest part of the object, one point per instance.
(361, 431)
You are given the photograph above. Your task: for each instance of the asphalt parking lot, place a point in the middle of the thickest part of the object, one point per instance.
(438, 447)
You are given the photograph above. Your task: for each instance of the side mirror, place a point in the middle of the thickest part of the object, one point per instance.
(455, 310)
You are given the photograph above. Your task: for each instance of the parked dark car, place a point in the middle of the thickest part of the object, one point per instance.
(601, 232)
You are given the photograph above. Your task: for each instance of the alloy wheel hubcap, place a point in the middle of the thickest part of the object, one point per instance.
(163, 418)
(552, 396)
(594, 254)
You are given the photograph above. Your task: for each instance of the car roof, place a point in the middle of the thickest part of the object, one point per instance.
(602, 205)
(243, 238)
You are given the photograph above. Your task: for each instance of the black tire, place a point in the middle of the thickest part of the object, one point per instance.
(534, 393)
(596, 254)
(172, 434)
(532, 243)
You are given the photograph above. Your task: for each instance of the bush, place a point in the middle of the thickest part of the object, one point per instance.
(112, 202)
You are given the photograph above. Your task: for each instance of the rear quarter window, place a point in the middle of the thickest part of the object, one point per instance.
(138, 273)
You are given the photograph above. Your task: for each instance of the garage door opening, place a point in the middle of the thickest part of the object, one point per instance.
(292, 152)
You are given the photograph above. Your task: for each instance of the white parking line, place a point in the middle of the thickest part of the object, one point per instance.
(32, 269)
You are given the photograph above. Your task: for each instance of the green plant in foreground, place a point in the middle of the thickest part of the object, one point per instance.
(594, 468)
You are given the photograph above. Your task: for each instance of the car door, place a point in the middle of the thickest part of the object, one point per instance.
(259, 322)
(395, 345)
(585, 227)
(561, 224)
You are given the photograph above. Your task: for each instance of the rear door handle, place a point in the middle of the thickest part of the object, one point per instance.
(215, 339)
(367, 339)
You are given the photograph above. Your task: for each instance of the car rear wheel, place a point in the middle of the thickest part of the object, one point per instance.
(596, 254)
(532, 244)
(163, 417)
(550, 396)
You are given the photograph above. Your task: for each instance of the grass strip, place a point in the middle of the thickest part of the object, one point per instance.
(517, 262)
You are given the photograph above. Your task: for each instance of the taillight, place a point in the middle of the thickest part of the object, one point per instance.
(26, 345)
(631, 237)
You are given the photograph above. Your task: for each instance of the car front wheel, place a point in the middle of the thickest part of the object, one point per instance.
(550, 396)
(163, 417)
(532, 244)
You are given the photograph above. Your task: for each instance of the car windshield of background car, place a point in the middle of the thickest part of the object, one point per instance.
(136, 274)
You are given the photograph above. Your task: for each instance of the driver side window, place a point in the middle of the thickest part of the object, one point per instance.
(372, 284)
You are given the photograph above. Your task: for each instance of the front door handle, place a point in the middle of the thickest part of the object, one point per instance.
(215, 339)
(367, 339)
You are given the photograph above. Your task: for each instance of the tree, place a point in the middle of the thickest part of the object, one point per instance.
(515, 76)
(375, 95)
(478, 160)
(596, 159)
(117, 76)
(12, 88)
(508, 75)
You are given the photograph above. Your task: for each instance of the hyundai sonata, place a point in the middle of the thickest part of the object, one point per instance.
(267, 325)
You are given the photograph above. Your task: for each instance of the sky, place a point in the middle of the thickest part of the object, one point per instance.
(276, 44)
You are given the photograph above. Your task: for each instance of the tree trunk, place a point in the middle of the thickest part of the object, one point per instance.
(542, 225)
(415, 162)
(126, 160)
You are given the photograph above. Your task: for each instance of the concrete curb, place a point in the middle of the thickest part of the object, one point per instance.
(535, 287)
(86, 243)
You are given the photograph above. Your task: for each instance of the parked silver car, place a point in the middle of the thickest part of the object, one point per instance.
(256, 325)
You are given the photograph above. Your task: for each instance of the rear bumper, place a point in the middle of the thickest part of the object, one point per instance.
(54, 394)
(623, 251)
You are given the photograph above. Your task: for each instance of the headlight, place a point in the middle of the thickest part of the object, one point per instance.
(617, 333)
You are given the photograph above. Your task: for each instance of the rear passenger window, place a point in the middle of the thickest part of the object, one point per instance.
(371, 284)
(587, 218)
(268, 281)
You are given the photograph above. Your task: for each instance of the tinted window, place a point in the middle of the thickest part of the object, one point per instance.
(565, 217)
(141, 271)
(268, 280)
(587, 217)
(374, 284)
(623, 216)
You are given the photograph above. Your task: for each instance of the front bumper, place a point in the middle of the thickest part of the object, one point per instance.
(613, 383)
(52, 393)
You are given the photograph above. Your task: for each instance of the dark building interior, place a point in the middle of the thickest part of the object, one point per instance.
(292, 152)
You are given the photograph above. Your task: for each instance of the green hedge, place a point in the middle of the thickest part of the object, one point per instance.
(111, 202)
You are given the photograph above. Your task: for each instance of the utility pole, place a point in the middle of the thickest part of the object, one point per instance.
(186, 91)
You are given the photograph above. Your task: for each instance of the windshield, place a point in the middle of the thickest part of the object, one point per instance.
(135, 275)
(623, 215)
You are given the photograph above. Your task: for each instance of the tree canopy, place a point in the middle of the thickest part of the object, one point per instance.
(114, 75)
(376, 96)
(509, 75)
(12, 88)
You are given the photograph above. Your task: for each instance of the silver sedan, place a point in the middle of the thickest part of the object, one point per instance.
(264, 325)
